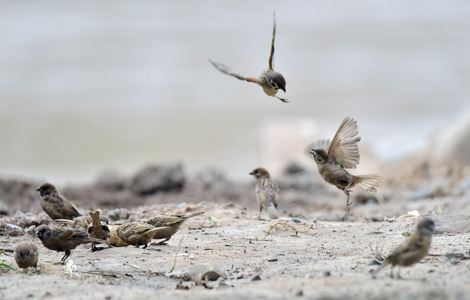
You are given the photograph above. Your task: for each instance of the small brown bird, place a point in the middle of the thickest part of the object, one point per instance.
(270, 80)
(412, 250)
(26, 255)
(267, 193)
(169, 225)
(342, 153)
(113, 239)
(55, 205)
(62, 239)
(137, 234)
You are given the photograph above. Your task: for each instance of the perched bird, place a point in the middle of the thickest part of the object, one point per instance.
(62, 239)
(270, 80)
(267, 193)
(413, 249)
(169, 225)
(26, 255)
(333, 158)
(136, 234)
(55, 205)
(81, 222)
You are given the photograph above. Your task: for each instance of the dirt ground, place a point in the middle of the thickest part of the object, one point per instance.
(307, 254)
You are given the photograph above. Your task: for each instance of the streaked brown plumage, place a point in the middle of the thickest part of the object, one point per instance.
(62, 239)
(113, 239)
(26, 255)
(342, 153)
(136, 234)
(267, 193)
(413, 249)
(56, 205)
(169, 225)
(270, 80)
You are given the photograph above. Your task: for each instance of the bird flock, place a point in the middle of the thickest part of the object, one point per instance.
(333, 158)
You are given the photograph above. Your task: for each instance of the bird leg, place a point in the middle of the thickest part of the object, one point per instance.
(64, 258)
(398, 273)
(391, 272)
(348, 204)
(282, 99)
(259, 215)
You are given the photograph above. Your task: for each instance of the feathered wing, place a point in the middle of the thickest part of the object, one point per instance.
(271, 53)
(320, 145)
(343, 148)
(368, 182)
(227, 70)
(269, 197)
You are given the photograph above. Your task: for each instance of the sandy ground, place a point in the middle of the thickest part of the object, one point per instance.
(324, 260)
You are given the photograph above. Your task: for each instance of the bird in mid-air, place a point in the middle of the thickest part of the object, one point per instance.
(270, 80)
(333, 158)
(412, 250)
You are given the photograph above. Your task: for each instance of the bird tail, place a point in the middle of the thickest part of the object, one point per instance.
(194, 214)
(272, 211)
(368, 182)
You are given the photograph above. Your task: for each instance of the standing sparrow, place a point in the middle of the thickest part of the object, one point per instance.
(270, 80)
(26, 255)
(137, 234)
(413, 249)
(267, 193)
(169, 225)
(55, 205)
(62, 239)
(333, 158)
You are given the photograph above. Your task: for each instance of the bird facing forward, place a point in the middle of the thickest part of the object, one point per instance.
(56, 205)
(62, 239)
(267, 193)
(333, 158)
(169, 225)
(412, 250)
(270, 80)
(26, 255)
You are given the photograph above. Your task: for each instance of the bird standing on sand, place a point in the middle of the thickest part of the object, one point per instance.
(56, 205)
(62, 239)
(169, 225)
(270, 80)
(267, 193)
(333, 158)
(412, 250)
(26, 255)
(135, 233)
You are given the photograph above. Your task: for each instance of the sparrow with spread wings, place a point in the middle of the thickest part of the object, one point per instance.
(270, 80)
(333, 158)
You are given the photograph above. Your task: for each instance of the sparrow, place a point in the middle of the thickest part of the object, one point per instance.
(270, 80)
(62, 239)
(267, 193)
(333, 158)
(169, 225)
(81, 222)
(56, 205)
(136, 233)
(412, 250)
(26, 255)
(114, 240)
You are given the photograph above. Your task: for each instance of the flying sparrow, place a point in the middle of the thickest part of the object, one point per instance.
(270, 80)
(62, 239)
(56, 205)
(137, 234)
(333, 158)
(412, 250)
(26, 255)
(267, 193)
(169, 225)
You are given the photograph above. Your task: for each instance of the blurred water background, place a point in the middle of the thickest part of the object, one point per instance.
(91, 85)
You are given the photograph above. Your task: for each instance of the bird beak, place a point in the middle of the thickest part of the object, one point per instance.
(251, 173)
(37, 189)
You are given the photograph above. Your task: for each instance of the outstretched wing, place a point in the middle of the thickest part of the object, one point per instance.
(227, 70)
(271, 54)
(343, 149)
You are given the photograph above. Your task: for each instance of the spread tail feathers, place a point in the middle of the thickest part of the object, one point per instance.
(368, 182)
(272, 212)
